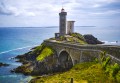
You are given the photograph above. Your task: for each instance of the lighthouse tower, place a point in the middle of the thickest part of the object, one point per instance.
(62, 22)
(62, 25)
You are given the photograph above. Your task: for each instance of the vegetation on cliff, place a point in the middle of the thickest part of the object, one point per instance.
(42, 52)
(112, 69)
(88, 72)
(72, 38)
(98, 71)
(47, 51)
(78, 35)
(33, 61)
(78, 38)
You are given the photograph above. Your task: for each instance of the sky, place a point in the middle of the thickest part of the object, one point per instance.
(37, 13)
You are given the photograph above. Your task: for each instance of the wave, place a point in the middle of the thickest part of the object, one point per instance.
(16, 49)
(112, 43)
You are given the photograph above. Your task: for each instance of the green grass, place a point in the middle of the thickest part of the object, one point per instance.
(37, 50)
(47, 51)
(78, 35)
(75, 40)
(88, 72)
(79, 38)
(81, 41)
(41, 52)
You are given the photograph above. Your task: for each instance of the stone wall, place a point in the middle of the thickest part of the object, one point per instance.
(83, 53)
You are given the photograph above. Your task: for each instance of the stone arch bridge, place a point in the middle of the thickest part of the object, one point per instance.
(74, 53)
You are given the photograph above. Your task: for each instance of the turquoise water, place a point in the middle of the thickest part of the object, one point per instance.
(16, 41)
(13, 38)
(5, 75)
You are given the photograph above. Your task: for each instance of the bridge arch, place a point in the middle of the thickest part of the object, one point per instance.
(65, 60)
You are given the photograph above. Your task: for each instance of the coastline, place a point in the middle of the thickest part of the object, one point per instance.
(6, 57)
(30, 62)
(31, 66)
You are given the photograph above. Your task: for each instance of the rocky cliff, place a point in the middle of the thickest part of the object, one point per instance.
(41, 60)
(44, 60)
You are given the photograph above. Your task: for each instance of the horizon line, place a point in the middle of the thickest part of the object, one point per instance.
(40, 26)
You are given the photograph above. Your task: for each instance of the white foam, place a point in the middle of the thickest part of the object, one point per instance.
(17, 49)
(4, 76)
(112, 43)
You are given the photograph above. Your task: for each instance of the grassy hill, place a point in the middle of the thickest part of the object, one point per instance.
(88, 72)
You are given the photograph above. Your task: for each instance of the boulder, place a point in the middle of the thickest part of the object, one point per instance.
(90, 39)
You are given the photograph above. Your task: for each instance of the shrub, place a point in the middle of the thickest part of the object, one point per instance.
(102, 56)
(96, 60)
(114, 70)
(106, 62)
(118, 77)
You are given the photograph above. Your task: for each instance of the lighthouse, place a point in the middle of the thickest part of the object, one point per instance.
(63, 30)
(62, 22)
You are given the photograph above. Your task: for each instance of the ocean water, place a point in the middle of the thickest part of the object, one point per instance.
(15, 41)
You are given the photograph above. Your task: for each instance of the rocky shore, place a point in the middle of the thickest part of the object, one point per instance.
(3, 64)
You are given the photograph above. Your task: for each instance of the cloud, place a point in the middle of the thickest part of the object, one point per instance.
(4, 10)
(41, 7)
(14, 10)
(20, 12)
(96, 7)
(47, 9)
(37, 8)
(111, 12)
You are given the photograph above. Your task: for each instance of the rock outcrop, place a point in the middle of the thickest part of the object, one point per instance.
(90, 39)
(3, 64)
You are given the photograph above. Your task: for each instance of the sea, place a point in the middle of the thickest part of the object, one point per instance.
(19, 40)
